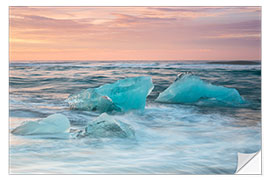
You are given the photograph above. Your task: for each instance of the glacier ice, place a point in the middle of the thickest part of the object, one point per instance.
(108, 126)
(189, 88)
(90, 99)
(123, 95)
(53, 124)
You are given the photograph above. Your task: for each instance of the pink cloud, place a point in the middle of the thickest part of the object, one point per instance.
(153, 33)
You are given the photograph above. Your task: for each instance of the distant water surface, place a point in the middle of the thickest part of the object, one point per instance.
(170, 138)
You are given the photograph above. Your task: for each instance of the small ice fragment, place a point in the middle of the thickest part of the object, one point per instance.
(189, 88)
(53, 124)
(108, 126)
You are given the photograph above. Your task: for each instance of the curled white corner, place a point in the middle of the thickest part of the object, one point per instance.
(249, 163)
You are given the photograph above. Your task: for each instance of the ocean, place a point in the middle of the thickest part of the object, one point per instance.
(185, 138)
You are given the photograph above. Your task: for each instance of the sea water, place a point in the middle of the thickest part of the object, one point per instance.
(169, 138)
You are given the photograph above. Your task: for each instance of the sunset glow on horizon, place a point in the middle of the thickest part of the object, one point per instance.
(135, 33)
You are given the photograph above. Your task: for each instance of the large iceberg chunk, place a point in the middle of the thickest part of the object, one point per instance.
(108, 126)
(53, 124)
(123, 95)
(189, 88)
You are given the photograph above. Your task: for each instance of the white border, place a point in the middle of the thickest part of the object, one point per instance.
(265, 77)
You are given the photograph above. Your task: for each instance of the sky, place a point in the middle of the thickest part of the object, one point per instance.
(134, 33)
